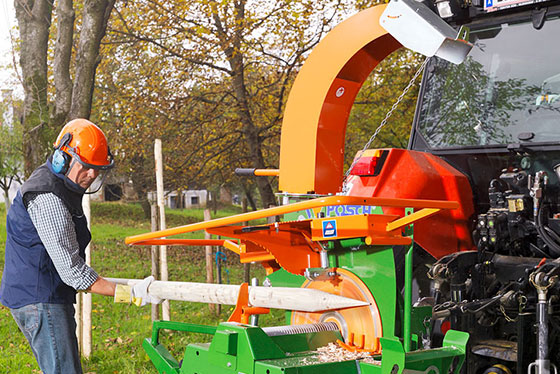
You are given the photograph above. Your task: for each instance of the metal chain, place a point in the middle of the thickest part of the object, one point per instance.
(508, 318)
(383, 123)
(522, 303)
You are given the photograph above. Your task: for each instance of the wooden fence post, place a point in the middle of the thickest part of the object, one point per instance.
(209, 262)
(154, 253)
(86, 297)
(78, 318)
(162, 226)
(83, 300)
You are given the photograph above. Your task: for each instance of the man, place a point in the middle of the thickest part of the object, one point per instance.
(47, 234)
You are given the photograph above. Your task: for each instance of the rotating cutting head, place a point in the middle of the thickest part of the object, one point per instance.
(361, 327)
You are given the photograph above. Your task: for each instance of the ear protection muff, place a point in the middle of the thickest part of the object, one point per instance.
(60, 159)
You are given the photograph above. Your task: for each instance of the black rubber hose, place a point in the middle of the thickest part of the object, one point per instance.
(553, 245)
(552, 233)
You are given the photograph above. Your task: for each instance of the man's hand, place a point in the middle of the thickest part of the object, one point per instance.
(137, 294)
(140, 294)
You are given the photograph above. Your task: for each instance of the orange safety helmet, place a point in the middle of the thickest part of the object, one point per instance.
(86, 142)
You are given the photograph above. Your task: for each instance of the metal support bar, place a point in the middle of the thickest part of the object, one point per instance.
(303, 205)
(254, 319)
(407, 299)
(189, 242)
(406, 220)
(179, 326)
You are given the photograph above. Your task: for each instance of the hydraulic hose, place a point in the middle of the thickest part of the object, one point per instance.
(548, 239)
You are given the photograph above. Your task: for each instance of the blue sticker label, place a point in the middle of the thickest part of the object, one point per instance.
(329, 228)
(489, 3)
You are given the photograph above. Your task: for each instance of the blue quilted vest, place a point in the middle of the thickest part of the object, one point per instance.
(29, 274)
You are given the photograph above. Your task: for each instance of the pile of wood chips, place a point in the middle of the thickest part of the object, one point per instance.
(333, 353)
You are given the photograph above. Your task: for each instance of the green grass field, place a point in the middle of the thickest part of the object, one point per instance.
(118, 329)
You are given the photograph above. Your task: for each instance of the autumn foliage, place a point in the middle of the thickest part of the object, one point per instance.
(209, 78)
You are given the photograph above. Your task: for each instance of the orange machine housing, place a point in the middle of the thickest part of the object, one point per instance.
(418, 175)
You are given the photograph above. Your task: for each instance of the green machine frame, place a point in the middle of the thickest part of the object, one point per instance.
(244, 349)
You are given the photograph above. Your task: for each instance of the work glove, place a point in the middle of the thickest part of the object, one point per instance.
(137, 294)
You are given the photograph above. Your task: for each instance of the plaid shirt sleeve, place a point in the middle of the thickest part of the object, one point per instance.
(56, 230)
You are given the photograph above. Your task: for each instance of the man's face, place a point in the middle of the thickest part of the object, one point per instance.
(81, 175)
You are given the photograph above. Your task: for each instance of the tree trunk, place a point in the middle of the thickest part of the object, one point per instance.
(215, 201)
(34, 20)
(95, 18)
(231, 46)
(146, 208)
(263, 185)
(62, 57)
(249, 129)
(248, 198)
(142, 184)
(180, 200)
(251, 201)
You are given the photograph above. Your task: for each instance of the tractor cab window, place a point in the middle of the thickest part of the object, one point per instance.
(507, 91)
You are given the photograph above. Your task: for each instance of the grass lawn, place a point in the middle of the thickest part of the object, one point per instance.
(118, 330)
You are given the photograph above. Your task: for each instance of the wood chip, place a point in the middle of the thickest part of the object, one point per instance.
(334, 353)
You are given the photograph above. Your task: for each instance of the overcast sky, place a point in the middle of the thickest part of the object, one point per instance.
(7, 23)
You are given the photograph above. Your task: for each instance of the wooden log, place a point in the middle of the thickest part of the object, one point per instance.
(287, 298)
